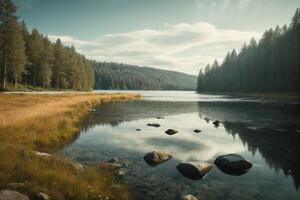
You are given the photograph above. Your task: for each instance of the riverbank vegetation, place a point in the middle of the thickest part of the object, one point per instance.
(30, 59)
(44, 123)
(271, 65)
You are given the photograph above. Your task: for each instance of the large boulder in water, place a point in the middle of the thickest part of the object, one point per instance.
(156, 157)
(12, 195)
(233, 164)
(194, 170)
(189, 197)
(171, 132)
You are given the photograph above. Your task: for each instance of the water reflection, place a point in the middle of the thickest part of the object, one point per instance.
(265, 133)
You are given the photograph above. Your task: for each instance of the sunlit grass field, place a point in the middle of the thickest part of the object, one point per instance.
(46, 122)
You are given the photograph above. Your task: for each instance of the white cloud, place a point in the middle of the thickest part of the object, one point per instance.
(183, 47)
(222, 5)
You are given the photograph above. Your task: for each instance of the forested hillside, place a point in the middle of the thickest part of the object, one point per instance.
(30, 59)
(123, 76)
(271, 65)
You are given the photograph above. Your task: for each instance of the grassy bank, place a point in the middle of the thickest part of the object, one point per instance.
(45, 122)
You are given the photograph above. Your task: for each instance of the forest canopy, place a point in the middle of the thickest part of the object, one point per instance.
(110, 75)
(29, 58)
(270, 65)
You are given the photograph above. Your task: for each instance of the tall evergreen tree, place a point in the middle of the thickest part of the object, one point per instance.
(7, 12)
(16, 57)
(270, 65)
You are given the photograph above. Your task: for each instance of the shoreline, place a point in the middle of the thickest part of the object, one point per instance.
(268, 95)
(43, 123)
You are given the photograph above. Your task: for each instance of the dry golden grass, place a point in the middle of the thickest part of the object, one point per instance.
(45, 122)
(42, 120)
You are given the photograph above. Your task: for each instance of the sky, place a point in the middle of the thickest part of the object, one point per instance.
(180, 35)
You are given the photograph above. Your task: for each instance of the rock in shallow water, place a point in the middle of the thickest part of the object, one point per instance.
(197, 131)
(233, 164)
(171, 132)
(194, 170)
(114, 160)
(42, 196)
(189, 197)
(12, 195)
(156, 157)
(216, 123)
(156, 125)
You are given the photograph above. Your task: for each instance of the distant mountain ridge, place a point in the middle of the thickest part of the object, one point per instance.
(110, 75)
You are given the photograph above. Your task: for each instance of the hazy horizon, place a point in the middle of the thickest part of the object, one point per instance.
(174, 35)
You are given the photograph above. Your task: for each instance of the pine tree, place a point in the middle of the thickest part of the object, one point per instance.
(7, 12)
(16, 57)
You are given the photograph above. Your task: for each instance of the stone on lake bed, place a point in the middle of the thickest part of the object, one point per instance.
(42, 196)
(233, 164)
(216, 123)
(207, 119)
(138, 129)
(121, 173)
(12, 195)
(156, 157)
(194, 170)
(171, 131)
(160, 118)
(197, 131)
(156, 125)
(189, 197)
(114, 160)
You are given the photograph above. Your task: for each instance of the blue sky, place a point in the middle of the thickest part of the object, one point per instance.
(181, 35)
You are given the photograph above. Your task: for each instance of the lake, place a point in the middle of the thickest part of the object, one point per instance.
(264, 131)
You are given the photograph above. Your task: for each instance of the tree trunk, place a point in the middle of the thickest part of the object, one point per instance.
(4, 68)
(16, 82)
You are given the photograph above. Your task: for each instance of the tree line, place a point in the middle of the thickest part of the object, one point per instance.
(31, 59)
(270, 65)
(110, 75)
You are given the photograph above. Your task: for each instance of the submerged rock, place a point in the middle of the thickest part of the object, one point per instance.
(42, 196)
(156, 125)
(156, 157)
(121, 173)
(197, 131)
(171, 132)
(216, 123)
(194, 170)
(12, 195)
(189, 197)
(138, 129)
(207, 119)
(78, 166)
(114, 160)
(160, 118)
(233, 164)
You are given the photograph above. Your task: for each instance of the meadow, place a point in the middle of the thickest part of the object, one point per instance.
(31, 123)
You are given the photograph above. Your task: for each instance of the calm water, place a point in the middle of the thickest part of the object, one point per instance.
(265, 132)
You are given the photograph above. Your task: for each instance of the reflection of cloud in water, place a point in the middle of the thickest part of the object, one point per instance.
(184, 146)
